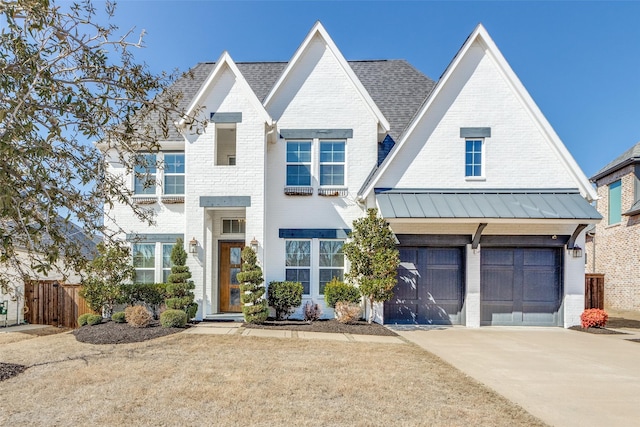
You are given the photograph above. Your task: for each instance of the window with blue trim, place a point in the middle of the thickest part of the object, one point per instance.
(299, 163)
(615, 202)
(473, 158)
(332, 159)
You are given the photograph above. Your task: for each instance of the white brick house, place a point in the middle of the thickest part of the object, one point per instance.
(485, 200)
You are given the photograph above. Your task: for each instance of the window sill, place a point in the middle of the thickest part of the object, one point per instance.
(145, 200)
(298, 191)
(172, 200)
(333, 192)
(475, 178)
(617, 224)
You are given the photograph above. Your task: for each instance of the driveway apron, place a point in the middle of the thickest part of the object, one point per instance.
(563, 377)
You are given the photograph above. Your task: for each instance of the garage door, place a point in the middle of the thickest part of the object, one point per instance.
(430, 287)
(520, 286)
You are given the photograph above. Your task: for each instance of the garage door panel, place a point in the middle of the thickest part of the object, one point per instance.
(527, 292)
(430, 287)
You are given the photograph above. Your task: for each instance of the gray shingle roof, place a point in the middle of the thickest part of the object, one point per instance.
(632, 155)
(397, 88)
(520, 204)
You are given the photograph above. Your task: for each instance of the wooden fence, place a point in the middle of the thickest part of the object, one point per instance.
(594, 291)
(51, 303)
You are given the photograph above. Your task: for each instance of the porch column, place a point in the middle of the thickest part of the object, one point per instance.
(472, 296)
(573, 301)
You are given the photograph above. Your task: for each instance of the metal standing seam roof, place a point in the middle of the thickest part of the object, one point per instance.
(486, 204)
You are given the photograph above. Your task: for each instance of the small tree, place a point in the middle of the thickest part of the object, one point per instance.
(374, 259)
(180, 289)
(252, 290)
(102, 288)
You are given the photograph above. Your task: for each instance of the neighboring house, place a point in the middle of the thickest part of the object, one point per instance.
(486, 202)
(613, 247)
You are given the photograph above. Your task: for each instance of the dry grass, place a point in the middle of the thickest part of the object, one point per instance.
(186, 379)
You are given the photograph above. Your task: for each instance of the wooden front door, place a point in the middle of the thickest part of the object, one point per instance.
(230, 265)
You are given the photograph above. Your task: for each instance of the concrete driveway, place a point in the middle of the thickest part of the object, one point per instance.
(565, 378)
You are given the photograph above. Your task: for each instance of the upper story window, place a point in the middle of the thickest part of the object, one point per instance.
(332, 161)
(173, 173)
(226, 144)
(615, 202)
(144, 181)
(147, 174)
(299, 163)
(473, 157)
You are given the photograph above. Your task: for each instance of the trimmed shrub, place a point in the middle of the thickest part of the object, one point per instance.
(347, 312)
(312, 311)
(151, 295)
(94, 319)
(336, 291)
(179, 290)
(173, 319)
(118, 317)
(284, 297)
(254, 306)
(82, 319)
(594, 318)
(138, 316)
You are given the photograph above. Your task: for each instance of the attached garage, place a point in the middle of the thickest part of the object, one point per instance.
(521, 286)
(430, 287)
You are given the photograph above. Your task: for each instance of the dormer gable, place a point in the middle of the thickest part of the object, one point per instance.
(457, 82)
(293, 74)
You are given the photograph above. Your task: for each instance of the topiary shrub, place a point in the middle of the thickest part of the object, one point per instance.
(336, 291)
(173, 319)
(284, 297)
(347, 312)
(254, 306)
(594, 318)
(138, 316)
(312, 311)
(179, 290)
(94, 319)
(118, 317)
(82, 319)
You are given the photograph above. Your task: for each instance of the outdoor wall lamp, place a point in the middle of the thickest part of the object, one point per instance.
(254, 244)
(193, 246)
(577, 252)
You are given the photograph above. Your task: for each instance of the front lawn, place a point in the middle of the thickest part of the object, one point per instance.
(185, 379)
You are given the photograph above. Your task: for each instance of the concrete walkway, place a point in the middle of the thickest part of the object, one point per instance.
(564, 377)
(235, 328)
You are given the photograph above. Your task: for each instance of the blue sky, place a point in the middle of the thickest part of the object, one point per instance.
(580, 61)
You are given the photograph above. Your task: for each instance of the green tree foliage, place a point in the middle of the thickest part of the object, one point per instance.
(69, 79)
(105, 276)
(252, 290)
(336, 291)
(374, 259)
(284, 297)
(180, 289)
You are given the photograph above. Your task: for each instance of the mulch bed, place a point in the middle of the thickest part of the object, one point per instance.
(618, 322)
(332, 325)
(602, 331)
(121, 333)
(9, 370)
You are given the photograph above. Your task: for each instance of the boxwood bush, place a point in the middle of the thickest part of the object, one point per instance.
(173, 319)
(284, 297)
(94, 319)
(336, 291)
(118, 317)
(82, 319)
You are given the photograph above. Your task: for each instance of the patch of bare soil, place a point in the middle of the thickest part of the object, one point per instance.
(9, 370)
(121, 333)
(602, 331)
(325, 325)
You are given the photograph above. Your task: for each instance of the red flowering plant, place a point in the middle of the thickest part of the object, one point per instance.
(594, 318)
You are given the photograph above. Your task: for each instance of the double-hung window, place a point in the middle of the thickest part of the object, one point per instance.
(144, 262)
(473, 158)
(615, 202)
(331, 263)
(299, 163)
(166, 261)
(298, 263)
(332, 160)
(174, 173)
(145, 174)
